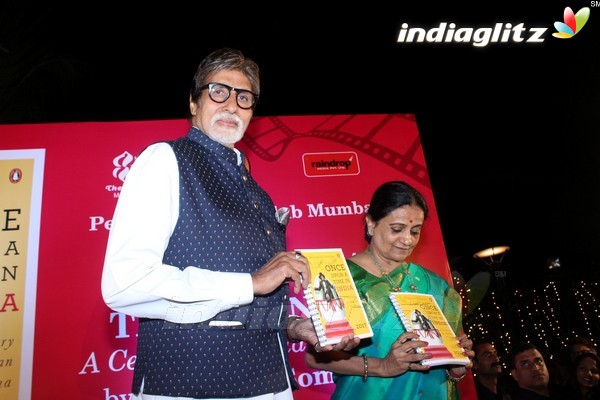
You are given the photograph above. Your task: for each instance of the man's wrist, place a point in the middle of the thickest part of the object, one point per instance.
(291, 331)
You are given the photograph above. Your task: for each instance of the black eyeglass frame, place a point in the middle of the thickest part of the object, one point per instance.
(238, 92)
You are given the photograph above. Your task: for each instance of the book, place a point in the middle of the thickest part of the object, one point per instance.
(335, 308)
(420, 313)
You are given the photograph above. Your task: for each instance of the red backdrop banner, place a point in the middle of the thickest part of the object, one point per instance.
(324, 168)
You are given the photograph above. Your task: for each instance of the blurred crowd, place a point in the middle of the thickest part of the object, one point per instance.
(535, 373)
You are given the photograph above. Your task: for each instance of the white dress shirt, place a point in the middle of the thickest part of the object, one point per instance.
(134, 279)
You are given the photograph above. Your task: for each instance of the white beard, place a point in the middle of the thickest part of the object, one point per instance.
(226, 135)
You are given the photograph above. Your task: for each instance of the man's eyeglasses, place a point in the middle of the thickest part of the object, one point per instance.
(219, 93)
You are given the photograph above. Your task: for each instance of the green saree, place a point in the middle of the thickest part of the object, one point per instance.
(387, 327)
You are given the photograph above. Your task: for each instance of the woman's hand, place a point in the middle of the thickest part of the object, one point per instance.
(466, 344)
(403, 356)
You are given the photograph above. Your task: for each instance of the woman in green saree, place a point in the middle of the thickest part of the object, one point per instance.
(386, 366)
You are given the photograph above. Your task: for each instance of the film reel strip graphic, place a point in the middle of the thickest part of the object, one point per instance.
(271, 142)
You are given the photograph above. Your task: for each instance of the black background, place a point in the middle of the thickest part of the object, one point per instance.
(510, 130)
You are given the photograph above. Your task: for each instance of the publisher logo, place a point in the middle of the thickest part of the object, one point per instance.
(121, 164)
(573, 23)
(330, 164)
(15, 175)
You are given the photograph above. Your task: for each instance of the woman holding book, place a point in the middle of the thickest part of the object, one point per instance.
(388, 365)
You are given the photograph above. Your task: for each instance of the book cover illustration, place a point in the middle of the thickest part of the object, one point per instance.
(333, 302)
(419, 312)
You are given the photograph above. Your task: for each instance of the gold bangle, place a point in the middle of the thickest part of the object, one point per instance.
(452, 378)
(366, 372)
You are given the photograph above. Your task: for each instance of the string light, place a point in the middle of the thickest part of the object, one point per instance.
(548, 317)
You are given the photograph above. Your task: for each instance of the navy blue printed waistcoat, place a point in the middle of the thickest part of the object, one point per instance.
(226, 223)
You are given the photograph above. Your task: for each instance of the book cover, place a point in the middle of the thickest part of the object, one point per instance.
(419, 312)
(333, 302)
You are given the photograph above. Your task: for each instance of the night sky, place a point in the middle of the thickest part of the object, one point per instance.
(511, 131)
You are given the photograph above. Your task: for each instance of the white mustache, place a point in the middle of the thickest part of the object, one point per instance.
(227, 117)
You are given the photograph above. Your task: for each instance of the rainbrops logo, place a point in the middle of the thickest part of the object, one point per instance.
(328, 164)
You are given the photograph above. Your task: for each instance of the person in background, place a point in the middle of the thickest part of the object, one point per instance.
(562, 366)
(579, 345)
(585, 377)
(196, 251)
(487, 370)
(528, 369)
(387, 366)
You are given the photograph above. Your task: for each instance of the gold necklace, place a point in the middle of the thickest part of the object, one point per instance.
(385, 274)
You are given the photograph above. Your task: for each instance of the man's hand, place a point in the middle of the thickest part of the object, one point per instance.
(284, 267)
(304, 330)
